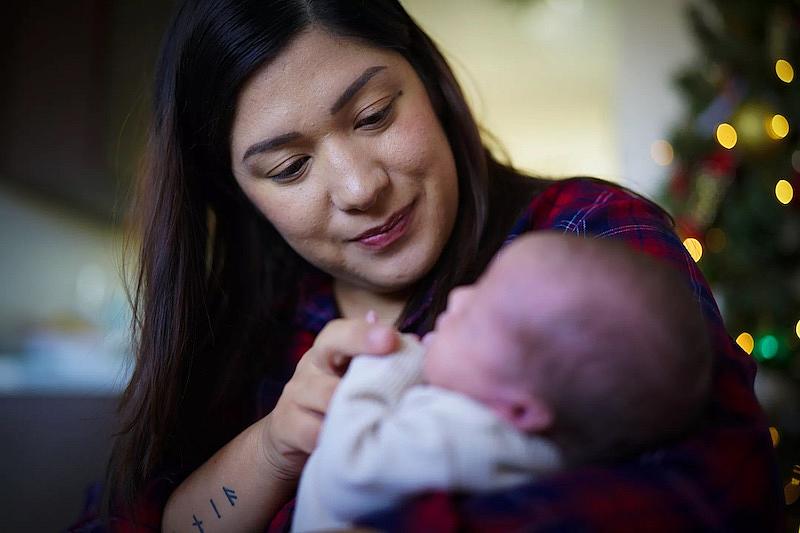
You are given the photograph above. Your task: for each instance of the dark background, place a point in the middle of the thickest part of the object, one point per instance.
(74, 97)
(74, 86)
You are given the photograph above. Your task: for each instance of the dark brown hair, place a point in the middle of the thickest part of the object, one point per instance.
(214, 278)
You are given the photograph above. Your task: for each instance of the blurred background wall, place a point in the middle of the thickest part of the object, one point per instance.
(74, 78)
(570, 87)
(567, 86)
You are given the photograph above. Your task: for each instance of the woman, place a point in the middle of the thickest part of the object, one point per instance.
(314, 160)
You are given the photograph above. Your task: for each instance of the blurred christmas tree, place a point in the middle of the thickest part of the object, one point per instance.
(735, 186)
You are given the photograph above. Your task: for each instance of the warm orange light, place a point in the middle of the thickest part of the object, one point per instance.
(746, 342)
(784, 70)
(776, 437)
(726, 136)
(784, 192)
(694, 247)
(777, 127)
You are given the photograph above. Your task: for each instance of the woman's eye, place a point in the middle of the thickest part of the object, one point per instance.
(292, 171)
(376, 119)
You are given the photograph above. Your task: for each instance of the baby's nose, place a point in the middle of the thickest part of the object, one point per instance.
(427, 339)
(458, 298)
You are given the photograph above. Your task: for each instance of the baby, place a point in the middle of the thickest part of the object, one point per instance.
(566, 351)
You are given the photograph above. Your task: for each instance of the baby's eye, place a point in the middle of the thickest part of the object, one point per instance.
(292, 171)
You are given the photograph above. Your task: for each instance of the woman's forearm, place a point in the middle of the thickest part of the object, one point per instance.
(237, 489)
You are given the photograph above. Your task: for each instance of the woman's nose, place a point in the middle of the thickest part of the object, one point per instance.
(356, 183)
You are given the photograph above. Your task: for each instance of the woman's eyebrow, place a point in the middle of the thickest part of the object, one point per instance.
(347, 95)
(354, 87)
(269, 144)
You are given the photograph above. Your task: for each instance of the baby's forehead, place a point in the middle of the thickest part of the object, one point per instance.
(536, 249)
(542, 257)
(551, 277)
(530, 262)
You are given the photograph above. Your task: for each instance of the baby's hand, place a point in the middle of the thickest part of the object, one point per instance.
(372, 318)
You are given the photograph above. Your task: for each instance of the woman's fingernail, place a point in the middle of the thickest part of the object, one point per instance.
(372, 317)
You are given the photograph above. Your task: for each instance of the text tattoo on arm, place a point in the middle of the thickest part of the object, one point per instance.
(231, 496)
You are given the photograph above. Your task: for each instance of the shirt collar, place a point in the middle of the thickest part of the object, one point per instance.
(316, 304)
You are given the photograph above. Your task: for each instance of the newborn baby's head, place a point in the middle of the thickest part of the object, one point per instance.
(599, 347)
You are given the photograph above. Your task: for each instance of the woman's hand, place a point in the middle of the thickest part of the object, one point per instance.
(290, 431)
(265, 460)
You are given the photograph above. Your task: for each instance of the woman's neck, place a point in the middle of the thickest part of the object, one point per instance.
(355, 302)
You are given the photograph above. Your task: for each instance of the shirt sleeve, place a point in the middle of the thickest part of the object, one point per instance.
(723, 478)
(387, 436)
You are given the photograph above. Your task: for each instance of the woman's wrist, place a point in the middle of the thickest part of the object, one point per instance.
(275, 462)
(260, 482)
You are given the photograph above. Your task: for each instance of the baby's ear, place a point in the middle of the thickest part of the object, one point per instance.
(527, 414)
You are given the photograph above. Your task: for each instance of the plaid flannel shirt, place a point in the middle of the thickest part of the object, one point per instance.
(722, 479)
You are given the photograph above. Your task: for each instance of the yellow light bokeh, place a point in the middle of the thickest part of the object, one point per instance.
(662, 153)
(777, 127)
(784, 70)
(746, 342)
(784, 192)
(776, 437)
(797, 328)
(694, 247)
(726, 135)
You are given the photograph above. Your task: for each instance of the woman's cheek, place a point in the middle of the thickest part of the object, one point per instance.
(295, 210)
(414, 143)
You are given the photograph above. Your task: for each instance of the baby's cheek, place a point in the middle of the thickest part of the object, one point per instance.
(492, 341)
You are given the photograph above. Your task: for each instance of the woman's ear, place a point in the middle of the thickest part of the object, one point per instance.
(527, 413)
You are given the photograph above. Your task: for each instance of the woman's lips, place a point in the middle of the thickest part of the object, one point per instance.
(382, 236)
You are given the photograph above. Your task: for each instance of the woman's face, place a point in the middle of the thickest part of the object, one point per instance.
(337, 144)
